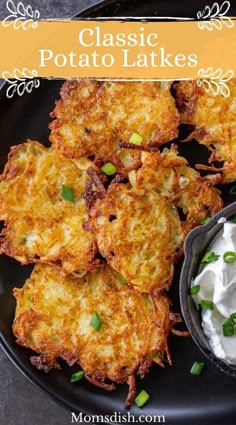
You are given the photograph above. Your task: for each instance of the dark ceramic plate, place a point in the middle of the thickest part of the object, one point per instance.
(175, 393)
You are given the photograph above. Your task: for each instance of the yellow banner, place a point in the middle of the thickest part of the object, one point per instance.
(152, 50)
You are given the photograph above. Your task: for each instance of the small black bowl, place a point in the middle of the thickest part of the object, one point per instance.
(194, 248)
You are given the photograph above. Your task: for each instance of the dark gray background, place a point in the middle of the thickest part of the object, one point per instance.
(50, 8)
(20, 402)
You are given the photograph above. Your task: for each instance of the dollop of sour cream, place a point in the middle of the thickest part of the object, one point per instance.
(217, 282)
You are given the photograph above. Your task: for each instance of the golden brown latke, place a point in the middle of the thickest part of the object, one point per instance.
(92, 117)
(214, 119)
(53, 317)
(138, 232)
(170, 175)
(40, 224)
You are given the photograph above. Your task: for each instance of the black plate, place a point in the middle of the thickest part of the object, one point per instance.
(175, 393)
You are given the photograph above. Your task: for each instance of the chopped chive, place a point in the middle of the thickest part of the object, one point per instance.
(195, 289)
(228, 331)
(228, 326)
(228, 322)
(77, 376)
(67, 193)
(109, 169)
(207, 304)
(206, 220)
(142, 398)
(197, 368)
(233, 317)
(96, 321)
(233, 219)
(121, 279)
(232, 190)
(136, 139)
(229, 257)
(209, 257)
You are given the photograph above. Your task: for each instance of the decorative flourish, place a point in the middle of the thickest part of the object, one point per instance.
(215, 81)
(21, 81)
(214, 17)
(21, 16)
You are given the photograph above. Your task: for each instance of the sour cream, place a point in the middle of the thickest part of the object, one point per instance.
(217, 282)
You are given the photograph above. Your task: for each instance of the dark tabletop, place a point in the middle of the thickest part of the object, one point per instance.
(20, 402)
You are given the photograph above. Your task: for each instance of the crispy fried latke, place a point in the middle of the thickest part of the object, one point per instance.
(170, 175)
(138, 232)
(53, 317)
(40, 225)
(93, 117)
(214, 119)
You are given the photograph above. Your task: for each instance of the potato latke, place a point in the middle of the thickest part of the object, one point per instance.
(93, 117)
(40, 224)
(53, 318)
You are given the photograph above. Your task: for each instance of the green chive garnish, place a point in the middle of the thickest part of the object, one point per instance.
(195, 289)
(207, 304)
(232, 190)
(233, 219)
(209, 257)
(142, 398)
(96, 321)
(197, 368)
(233, 317)
(228, 331)
(136, 139)
(67, 193)
(229, 257)
(206, 220)
(121, 279)
(77, 376)
(109, 169)
(228, 327)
